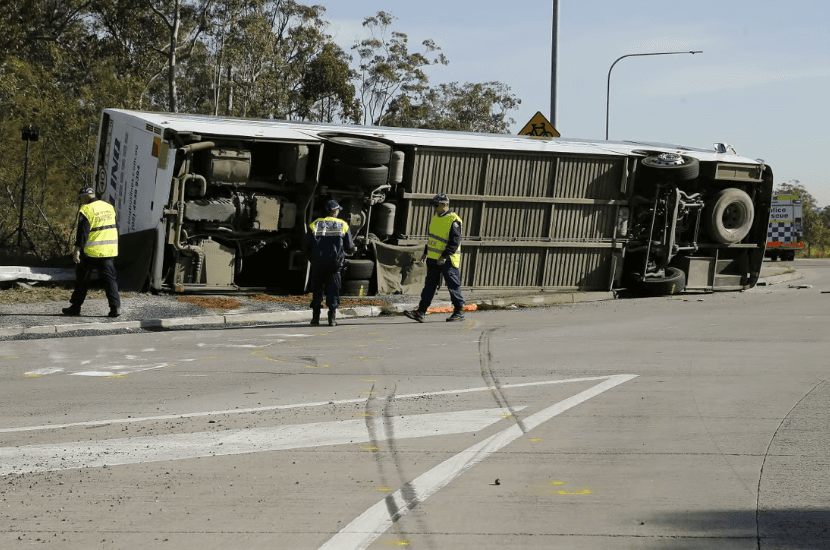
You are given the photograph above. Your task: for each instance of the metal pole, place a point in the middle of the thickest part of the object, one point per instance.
(554, 66)
(23, 197)
(608, 89)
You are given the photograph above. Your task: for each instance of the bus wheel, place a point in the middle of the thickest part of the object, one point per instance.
(358, 269)
(729, 215)
(670, 167)
(355, 287)
(358, 151)
(673, 281)
(363, 176)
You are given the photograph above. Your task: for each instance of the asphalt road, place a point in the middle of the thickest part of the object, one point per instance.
(697, 421)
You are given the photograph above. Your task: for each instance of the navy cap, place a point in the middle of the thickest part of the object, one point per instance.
(86, 191)
(332, 205)
(440, 198)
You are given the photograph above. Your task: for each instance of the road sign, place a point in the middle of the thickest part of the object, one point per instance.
(539, 126)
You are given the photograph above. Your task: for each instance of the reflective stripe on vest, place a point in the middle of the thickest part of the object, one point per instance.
(439, 234)
(103, 233)
(326, 227)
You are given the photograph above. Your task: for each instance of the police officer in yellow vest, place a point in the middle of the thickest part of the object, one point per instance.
(443, 256)
(96, 245)
(326, 243)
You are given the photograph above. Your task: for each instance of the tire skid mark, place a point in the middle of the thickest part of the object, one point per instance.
(766, 453)
(490, 378)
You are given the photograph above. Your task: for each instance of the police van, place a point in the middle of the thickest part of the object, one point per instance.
(785, 230)
(209, 204)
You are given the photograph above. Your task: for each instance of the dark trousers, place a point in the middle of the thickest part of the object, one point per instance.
(106, 270)
(452, 277)
(325, 278)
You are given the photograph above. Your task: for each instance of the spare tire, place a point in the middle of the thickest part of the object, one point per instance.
(354, 287)
(728, 215)
(670, 167)
(358, 269)
(358, 151)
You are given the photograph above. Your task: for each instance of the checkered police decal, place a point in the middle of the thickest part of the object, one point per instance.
(780, 233)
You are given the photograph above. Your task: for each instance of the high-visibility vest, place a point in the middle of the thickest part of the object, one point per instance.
(103, 233)
(328, 235)
(439, 234)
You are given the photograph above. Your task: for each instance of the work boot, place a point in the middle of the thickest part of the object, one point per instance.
(72, 311)
(457, 314)
(417, 314)
(315, 316)
(114, 312)
(332, 315)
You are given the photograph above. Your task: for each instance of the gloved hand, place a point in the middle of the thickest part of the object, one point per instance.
(423, 258)
(442, 261)
(76, 255)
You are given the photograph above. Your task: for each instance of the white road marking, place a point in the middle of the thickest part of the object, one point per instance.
(291, 406)
(202, 345)
(135, 450)
(371, 524)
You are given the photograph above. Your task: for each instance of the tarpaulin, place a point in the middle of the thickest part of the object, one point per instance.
(399, 269)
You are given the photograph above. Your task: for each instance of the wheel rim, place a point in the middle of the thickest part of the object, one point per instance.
(734, 216)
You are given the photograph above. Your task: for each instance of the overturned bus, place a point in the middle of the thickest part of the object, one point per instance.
(211, 204)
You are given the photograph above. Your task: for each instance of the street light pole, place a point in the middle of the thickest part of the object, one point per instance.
(608, 90)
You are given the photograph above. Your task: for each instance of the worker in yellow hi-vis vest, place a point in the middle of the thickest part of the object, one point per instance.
(96, 245)
(443, 257)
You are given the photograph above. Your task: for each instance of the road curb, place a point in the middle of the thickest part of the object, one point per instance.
(783, 278)
(302, 316)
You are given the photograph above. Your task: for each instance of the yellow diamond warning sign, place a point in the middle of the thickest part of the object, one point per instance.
(539, 126)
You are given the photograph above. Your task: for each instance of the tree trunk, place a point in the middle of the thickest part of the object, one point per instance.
(174, 44)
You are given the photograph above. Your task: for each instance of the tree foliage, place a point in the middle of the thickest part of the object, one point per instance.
(63, 61)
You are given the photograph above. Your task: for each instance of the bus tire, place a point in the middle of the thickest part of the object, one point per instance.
(358, 269)
(653, 169)
(672, 282)
(728, 215)
(354, 287)
(358, 151)
(363, 176)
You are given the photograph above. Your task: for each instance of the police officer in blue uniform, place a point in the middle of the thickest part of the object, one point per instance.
(326, 244)
(443, 257)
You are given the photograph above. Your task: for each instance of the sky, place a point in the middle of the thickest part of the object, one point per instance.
(761, 84)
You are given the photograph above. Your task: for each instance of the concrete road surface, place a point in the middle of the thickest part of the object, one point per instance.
(697, 421)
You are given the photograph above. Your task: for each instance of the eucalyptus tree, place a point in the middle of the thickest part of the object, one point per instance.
(387, 69)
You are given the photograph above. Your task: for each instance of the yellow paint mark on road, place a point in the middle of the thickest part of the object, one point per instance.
(380, 340)
(383, 489)
(10, 357)
(506, 415)
(367, 357)
(535, 439)
(371, 333)
(365, 415)
(326, 366)
(360, 345)
(556, 482)
(396, 543)
(274, 359)
(368, 448)
(582, 492)
(311, 366)
(32, 375)
(368, 379)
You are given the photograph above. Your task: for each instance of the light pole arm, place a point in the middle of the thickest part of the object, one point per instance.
(608, 88)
